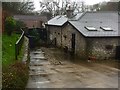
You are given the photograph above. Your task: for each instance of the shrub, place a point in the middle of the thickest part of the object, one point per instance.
(10, 24)
(19, 25)
(34, 32)
(15, 77)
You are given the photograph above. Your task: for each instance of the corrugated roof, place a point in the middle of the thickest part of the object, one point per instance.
(77, 16)
(97, 20)
(62, 19)
(58, 20)
(30, 17)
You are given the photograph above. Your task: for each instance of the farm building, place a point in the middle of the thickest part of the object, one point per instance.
(90, 34)
(32, 20)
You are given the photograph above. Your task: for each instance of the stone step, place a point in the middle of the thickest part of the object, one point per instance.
(37, 62)
(31, 64)
(38, 86)
(39, 49)
(38, 58)
(38, 67)
(38, 52)
(35, 75)
(41, 54)
(39, 79)
(36, 72)
(37, 55)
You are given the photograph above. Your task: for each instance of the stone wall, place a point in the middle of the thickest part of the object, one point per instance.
(26, 50)
(80, 43)
(63, 37)
(55, 32)
(102, 48)
(31, 23)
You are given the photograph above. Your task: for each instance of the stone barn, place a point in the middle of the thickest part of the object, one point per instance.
(90, 34)
(54, 28)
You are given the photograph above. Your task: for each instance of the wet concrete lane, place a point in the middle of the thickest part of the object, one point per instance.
(53, 71)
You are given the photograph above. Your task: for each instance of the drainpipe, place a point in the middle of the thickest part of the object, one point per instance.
(47, 30)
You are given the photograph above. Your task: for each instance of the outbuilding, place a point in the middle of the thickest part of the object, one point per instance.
(32, 20)
(90, 34)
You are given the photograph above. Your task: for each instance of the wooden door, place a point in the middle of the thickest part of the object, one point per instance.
(118, 52)
(73, 43)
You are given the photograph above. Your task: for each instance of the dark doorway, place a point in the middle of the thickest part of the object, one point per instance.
(73, 43)
(55, 41)
(118, 52)
(42, 34)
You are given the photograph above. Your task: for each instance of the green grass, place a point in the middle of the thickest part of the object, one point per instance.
(8, 49)
(21, 53)
(14, 72)
(0, 49)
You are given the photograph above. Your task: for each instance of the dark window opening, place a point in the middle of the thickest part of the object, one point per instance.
(58, 33)
(65, 37)
(109, 47)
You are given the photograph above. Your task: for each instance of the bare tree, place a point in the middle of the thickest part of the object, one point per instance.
(105, 6)
(60, 8)
(18, 7)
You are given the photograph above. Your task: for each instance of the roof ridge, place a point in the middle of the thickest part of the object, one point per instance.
(79, 17)
(82, 15)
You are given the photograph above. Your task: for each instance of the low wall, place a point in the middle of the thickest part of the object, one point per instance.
(26, 50)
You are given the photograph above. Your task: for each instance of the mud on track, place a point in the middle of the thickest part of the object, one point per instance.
(52, 68)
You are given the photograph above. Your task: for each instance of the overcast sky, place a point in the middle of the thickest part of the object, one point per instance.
(88, 2)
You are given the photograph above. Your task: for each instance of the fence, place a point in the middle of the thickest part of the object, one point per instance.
(18, 45)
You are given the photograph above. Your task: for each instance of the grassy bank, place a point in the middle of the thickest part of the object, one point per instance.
(15, 72)
(8, 49)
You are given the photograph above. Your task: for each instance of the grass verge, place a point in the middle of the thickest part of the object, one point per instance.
(8, 49)
(15, 77)
(15, 72)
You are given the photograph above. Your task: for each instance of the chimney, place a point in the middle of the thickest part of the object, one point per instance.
(69, 12)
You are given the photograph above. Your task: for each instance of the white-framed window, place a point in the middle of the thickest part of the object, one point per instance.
(90, 28)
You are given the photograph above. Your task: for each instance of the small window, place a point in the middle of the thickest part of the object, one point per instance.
(65, 37)
(58, 33)
(55, 32)
(106, 28)
(109, 47)
(68, 24)
(90, 28)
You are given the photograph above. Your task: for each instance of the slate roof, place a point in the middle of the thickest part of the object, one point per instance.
(30, 17)
(76, 17)
(97, 20)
